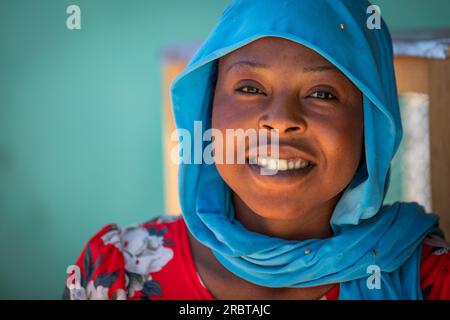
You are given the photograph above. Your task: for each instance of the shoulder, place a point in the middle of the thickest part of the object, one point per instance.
(116, 263)
(435, 268)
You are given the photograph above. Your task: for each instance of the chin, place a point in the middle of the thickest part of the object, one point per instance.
(271, 207)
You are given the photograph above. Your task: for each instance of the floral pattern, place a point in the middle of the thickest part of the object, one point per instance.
(93, 289)
(144, 250)
(440, 245)
(153, 261)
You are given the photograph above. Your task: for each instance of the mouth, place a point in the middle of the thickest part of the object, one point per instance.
(286, 168)
(285, 173)
(277, 164)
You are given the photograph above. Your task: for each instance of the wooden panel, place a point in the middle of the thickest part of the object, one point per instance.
(439, 81)
(432, 77)
(411, 74)
(172, 206)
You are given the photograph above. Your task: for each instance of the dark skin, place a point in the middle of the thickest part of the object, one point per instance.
(273, 83)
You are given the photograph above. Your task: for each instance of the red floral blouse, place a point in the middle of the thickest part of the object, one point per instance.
(154, 261)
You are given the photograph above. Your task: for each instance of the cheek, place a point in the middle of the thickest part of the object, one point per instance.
(223, 118)
(341, 145)
(227, 113)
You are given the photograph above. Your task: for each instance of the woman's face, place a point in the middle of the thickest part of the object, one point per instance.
(273, 83)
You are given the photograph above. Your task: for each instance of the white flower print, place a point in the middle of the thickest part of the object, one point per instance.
(120, 294)
(167, 218)
(90, 293)
(144, 253)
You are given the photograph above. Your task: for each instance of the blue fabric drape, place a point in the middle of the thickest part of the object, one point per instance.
(360, 222)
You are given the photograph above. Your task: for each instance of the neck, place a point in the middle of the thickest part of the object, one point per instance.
(314, 224)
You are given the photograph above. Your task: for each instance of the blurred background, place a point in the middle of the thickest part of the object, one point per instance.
(83, 115)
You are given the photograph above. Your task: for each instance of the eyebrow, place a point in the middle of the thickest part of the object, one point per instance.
(259, 65)
(321, 68)
(247, 63)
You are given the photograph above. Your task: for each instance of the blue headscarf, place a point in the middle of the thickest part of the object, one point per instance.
(367, 236)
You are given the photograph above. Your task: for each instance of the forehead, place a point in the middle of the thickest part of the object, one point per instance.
(276, 51)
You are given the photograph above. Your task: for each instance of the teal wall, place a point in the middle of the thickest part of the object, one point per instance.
(80, 129)
(405, 14)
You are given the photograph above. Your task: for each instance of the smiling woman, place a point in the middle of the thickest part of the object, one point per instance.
(317, 227)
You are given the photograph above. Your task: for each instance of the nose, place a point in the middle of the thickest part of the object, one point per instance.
(283, 115)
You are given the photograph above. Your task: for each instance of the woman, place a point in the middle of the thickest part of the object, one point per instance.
(316, 228)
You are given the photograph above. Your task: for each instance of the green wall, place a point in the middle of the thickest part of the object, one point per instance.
(80, 129)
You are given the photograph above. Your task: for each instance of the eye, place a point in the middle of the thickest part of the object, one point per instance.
(323, 95)
(250, 90)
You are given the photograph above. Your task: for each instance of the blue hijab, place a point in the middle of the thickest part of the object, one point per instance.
(369, 240)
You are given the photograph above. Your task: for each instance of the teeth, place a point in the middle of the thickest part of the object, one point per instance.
(282, 165)
(279, 164)
(272, 164)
